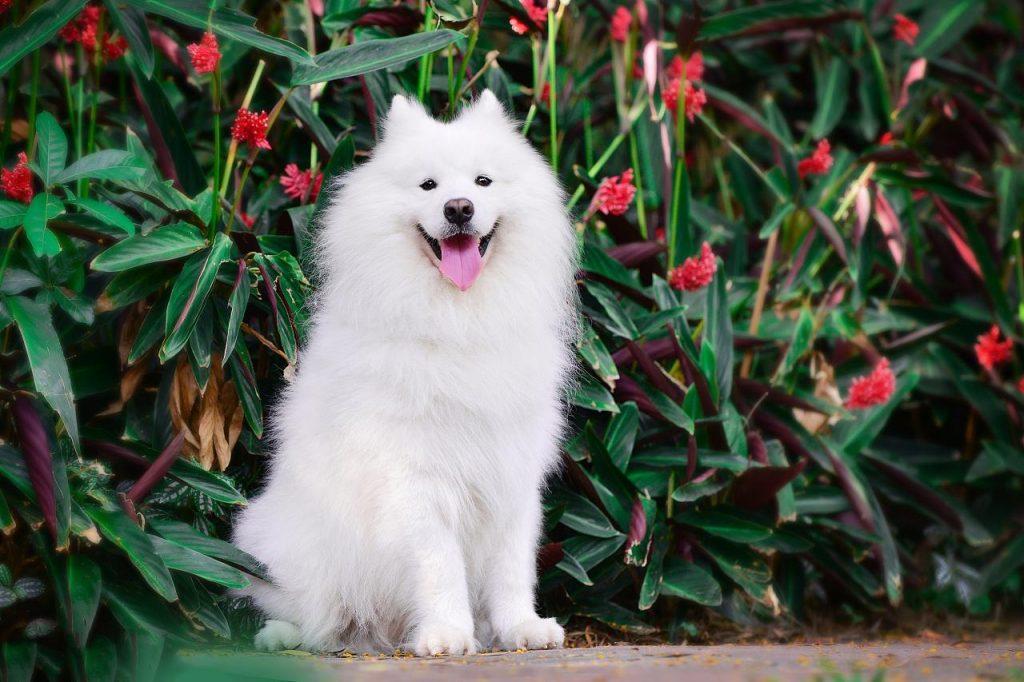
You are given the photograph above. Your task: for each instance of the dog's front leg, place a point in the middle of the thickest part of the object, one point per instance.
(511, 579)
(443, 621)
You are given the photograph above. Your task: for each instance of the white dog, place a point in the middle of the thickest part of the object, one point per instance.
(403, 506)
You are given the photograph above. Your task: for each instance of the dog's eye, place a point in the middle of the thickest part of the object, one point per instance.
(483, 180)
(428, 185)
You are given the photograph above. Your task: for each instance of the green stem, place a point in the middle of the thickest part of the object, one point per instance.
(80, 109)
(93, 101)
(7, 253)
(33, 99)
(427, 60)
(67, 95)
(641, 210)
(464, 62)
(588, 134)
(215, 209)
(12, 92)
(233, 147)
(680, 191)
(553, 80)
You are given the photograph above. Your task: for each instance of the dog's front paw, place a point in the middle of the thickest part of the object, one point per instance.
(277, 635)
(433, 639)
(535, 633)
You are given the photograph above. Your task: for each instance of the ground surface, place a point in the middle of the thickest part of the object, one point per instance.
(870, 661)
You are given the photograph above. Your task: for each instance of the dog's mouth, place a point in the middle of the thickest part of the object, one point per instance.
(460, 257)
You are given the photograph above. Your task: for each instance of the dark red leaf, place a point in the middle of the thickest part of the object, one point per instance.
(758, 486)
(35, 448)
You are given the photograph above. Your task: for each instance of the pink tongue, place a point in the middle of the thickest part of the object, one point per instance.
(460, 260)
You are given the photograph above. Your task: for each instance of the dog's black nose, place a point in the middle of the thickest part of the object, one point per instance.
(458, 211)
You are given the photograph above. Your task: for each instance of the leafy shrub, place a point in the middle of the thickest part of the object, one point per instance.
(773, 200)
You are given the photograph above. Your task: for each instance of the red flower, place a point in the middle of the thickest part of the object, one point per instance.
(872, 389)
(990, 350)
(537, 10)
(693, 99)
(619, 26)
(17, 182)
(5, 5)
(205, 54)
(696, 272)
(518, 27)
(904, 29)
(114, 48)
(817, 163)
(545, 93)
(885, 139)
(615, 193)
(694, 67)
(83, 28)
(246, 219)
(301, 184)
(251, 128)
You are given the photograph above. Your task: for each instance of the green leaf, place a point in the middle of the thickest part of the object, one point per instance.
(108, 164)
(621, 434)
(43, 207)
(18, 40)
(832, 85)
(19, 657)
(586, 392)
(689, 581)
(572, 566)
(100, 660)
(803, 334)
(996, 458)
(162, 244)
(1009, 559)
(129, 538)
(617, 320)
(944, 24)
(719, 334)
(180, 558)
(238, 303)
(164, 122)
(725, 525)
(132, 24)
(859, 433)
(185, 535)
(227, 23)
(615, 616)
(12, 214)
(651, 586)
(614, 489)
(582, 515)
(371, 55)
(747, 17)
(188, 296)
(85, 585)
(106, 212)
(693, 491)
(206, 482)
(595, 354)
(52, 147)
(248, 392)
(137, 610)
(46, 358)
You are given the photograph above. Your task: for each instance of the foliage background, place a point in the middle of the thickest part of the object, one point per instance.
(152, 299)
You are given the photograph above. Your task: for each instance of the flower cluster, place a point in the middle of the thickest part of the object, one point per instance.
(694, 98)
(905, 29)
(615, 194)
(696, 272)
(990, 351)
(301, 184)
(84, 29)
(5, 5)
(818, 162)
(537, 10)
(251, 128)
(205, 54)
(872, 389)
(17, 182)
(619, 26)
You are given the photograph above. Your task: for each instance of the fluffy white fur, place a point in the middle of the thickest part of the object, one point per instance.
(403, 505)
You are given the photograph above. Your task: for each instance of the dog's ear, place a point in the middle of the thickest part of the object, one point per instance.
(487, 106)
(404, 111)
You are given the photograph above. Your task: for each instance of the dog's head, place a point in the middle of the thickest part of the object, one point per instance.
(445, 192)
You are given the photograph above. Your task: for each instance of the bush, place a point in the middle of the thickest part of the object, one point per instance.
(800, 279)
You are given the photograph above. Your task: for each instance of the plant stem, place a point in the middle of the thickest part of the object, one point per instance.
(641, 210)
(680, 192)
(233, 147)
(215, 93)
(7, 253)
(80, 104)
(427, 60)
(553, 21)
(12, 92)
(762, 293)
(631, 120)
(33, 99)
